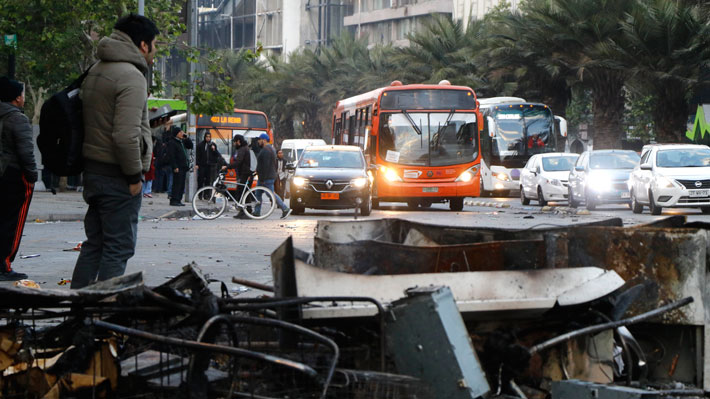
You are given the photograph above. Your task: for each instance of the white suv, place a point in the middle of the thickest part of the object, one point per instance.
(671, 176)
(544, 177)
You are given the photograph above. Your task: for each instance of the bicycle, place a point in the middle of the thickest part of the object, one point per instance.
(210, 202)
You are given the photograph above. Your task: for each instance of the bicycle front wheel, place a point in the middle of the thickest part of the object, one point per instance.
(256, 196)
(208, 203)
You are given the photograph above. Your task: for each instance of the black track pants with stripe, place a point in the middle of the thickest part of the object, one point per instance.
(14, 204)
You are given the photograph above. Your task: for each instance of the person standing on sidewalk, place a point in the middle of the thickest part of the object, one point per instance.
(180, 164)
(18, 173)
(206, 161)
(266, 171)
(241, 163)
(117, 148)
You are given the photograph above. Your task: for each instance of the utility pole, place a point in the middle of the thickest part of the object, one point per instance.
(192, 28)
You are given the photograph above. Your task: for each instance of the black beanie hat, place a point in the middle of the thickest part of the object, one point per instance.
(9, 89)
(175, 130)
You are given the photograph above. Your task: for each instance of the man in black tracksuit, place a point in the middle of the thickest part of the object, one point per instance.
(207, 158)
(179, 162)
(19, 175)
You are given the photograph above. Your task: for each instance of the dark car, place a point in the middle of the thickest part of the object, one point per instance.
(331, 177)
(601, 177)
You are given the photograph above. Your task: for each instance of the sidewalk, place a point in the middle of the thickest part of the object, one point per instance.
(69, 206)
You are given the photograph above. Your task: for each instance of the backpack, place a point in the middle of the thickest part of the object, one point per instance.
(61, 131)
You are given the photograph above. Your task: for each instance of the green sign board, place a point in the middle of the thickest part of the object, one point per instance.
(11, 40)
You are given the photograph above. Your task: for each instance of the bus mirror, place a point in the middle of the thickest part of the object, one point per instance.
(563, 125)
(491, 126)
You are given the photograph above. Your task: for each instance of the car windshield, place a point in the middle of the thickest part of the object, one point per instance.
(614, 160)
(331, 159)
(558, 164)
(428, 138)
(683, 158)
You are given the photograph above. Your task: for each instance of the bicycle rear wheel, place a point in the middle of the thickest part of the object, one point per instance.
(258, 195)
(208, 203)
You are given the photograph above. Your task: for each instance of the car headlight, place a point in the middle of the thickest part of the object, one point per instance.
(502, 176)
(299, 181)
(555, 182)
(664, 182)
(468, 174)
(390, 174)
(359, 182)
(599, 182)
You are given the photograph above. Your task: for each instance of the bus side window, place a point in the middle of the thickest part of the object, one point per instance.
(337, 137)
(351, 130)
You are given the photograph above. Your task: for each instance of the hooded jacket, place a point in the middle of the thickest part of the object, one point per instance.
(17, 143)
(117, 136)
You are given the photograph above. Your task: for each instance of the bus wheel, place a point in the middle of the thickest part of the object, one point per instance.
(412, 204)
(456, 204)
(375, 203)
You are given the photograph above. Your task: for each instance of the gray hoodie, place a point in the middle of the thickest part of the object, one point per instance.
(116, 131)
(17, 143)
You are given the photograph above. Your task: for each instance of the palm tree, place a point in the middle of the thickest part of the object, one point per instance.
(442, 50)
(574, 33)
(665, 45)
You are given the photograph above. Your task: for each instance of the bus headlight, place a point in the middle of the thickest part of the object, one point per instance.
(390, 174)
(468, 174)
(299, 181)
(359, 182)
(502, 176)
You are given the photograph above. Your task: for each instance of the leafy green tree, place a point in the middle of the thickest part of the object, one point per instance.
(57, 40)
(664, 46)
(574, 33)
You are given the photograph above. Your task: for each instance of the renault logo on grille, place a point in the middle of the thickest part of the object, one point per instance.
(329, 184)
(698, 184)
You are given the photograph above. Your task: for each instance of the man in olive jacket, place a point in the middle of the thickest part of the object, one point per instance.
(117, 148)
(18, 173)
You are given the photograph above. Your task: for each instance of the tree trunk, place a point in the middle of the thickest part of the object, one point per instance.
(670, 115)
(607, 110)
(37, 98)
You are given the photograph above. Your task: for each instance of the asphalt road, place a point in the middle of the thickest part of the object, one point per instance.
(228, 247)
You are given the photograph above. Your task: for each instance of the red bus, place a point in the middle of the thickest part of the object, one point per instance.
(423, 141)
(224, 127)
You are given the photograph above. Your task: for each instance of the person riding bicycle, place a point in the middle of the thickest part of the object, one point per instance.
(241, 163)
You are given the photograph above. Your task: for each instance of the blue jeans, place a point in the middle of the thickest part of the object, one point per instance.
(270, 185)
(111, 226)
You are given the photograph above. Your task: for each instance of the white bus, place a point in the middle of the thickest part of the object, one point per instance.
(514, 130)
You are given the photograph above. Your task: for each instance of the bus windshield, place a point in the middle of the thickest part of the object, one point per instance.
(523, 131)
(428, 138)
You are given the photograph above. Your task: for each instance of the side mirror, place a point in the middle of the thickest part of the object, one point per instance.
(291, 166)
(537, 170)
(646, 166)
(563, 125)
(492, 128)
(579, 168)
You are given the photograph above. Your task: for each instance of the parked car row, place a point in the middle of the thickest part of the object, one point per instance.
(664, 176)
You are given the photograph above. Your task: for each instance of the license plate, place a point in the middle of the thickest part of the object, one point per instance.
(330, 196)
(430, 189)
(699, 193)
(625, 195)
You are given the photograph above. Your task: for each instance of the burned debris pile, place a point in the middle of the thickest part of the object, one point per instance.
(389, 309)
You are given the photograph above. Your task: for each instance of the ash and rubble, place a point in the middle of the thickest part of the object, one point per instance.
(389, 309)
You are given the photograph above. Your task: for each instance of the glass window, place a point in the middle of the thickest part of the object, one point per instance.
(428, 139)
(331, 159)
(683, 158)
(614, 160)
(558, 164)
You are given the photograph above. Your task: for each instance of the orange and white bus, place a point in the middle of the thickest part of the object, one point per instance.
(423, 141)
(224, 127)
